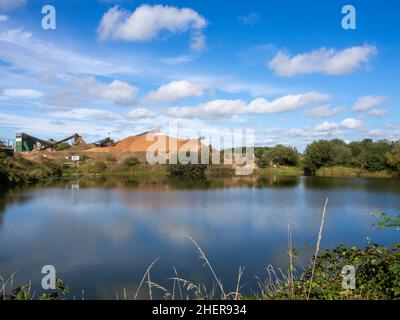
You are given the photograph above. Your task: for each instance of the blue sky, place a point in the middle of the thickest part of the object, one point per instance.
(287, 69)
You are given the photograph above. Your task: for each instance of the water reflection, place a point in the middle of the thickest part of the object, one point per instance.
(101, 234)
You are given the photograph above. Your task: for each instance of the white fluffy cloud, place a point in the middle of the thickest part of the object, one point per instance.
(326, 126)
(84, 114)
(323, 112)
(141, 113)
(22, 93)
(3, 17)
(118, 91)
(348, 123)
(222, 107)
(351, 123)
(326, 129)
(368, 102)
(176, 90)
(378, 113)
(147, 22)
(88, 88)
(323, 60)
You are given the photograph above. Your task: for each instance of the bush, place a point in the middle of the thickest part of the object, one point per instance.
(63, 146)
(18, 170)
(130, 162)
(188, 171)
(98, 167)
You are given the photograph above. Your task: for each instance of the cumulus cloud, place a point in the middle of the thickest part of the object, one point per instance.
(84, 114)
(141, 113)
(85, 89)
(327, 61)
(351, 123)
(148, 22)
(323, 112)
(326, 126)
(378, 113)
(368, 102)
(176, 90)
(6, 5)
(3, 17)
(118, 91)
(223, 107)
(326, 129)
(22, 93)
(348, 123)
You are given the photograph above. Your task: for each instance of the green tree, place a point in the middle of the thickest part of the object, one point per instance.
(341, 155)
(281, 155)
(316, 155)
(393, 157)
(373, 155)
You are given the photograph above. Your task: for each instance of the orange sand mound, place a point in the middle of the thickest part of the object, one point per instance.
(141, 143)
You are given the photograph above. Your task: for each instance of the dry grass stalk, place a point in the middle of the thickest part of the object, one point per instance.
(321, 227)
(144, 277)
(291, 262)
(204, 257)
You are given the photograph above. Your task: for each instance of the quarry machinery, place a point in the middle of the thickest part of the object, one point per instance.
(107, 142)
(26, 142)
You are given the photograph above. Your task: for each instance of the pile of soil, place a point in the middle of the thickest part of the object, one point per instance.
(141, 143)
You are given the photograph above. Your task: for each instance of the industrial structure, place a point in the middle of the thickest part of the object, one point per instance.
(107, 142)
(6, 149)
(25, 142)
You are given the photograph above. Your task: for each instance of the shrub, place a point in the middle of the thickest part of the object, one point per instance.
(63, 146)
(130, 162)
(98, 167)
(188, 171)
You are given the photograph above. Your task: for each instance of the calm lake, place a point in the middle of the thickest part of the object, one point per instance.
(102, 235)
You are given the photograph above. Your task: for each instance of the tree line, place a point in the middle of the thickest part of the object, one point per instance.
(366, 154)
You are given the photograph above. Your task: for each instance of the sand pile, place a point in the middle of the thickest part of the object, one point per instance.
(142, 142)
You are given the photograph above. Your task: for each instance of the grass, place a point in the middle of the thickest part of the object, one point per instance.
(281, 170)
(339, 171)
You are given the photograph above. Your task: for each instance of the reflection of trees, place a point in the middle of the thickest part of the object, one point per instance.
(276, 181)
(10, 196)
(342, 183)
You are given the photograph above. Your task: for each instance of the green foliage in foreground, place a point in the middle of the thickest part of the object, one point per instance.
(377, 272)
(24, 292)
(377, 275)
(18, 170)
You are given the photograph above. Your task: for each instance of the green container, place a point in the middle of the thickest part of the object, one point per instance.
(18, 146)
